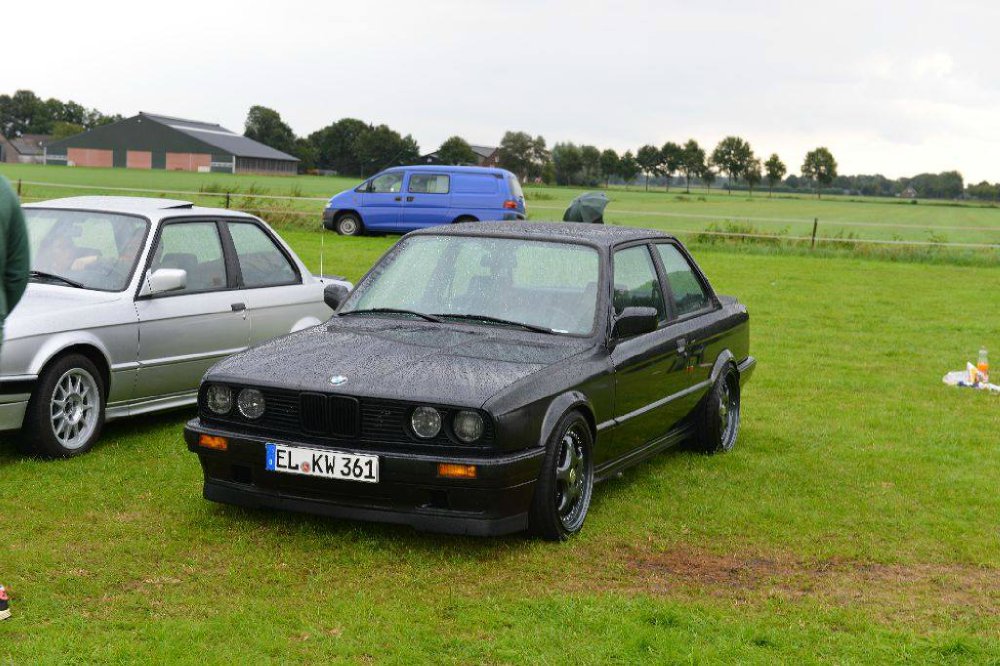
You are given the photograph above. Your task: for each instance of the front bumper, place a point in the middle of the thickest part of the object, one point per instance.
(328, 215)
(409, 492)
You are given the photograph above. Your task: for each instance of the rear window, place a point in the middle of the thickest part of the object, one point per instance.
(515, 187)
(475, 183)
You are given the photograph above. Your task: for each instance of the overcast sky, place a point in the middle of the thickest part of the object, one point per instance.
(894, 88)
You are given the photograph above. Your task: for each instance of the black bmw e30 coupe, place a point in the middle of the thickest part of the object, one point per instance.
(480, 379)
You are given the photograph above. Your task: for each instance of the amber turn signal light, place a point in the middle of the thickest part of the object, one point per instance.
(453, 471)
(213, 442)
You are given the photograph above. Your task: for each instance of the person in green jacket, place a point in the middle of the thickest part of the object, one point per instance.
(14, 266)
(14, 260)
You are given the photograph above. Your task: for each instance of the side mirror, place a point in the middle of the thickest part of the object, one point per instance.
(164, 280)
(334, 295)
(635, 321)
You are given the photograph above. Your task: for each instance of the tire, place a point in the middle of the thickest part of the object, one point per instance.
(349, 225)
(718, 416)
(567, 476)
(66, 411)
(464, 218)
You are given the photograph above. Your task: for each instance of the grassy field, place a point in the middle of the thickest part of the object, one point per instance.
(856, 521)
(674, 211)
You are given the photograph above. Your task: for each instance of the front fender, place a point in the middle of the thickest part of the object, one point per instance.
(561, 404)
(56, 344)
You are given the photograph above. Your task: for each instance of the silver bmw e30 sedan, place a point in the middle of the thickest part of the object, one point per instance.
(130, 300)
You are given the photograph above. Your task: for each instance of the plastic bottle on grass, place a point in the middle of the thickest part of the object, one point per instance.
(984, 366)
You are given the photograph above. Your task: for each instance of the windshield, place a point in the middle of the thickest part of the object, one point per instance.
(541, 284)
(95, 250)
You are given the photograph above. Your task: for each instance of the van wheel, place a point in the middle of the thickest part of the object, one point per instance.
(66, 412)
(464, 218)
(348, 225)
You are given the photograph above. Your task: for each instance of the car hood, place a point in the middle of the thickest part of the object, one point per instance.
(47, 308)
(438, 363)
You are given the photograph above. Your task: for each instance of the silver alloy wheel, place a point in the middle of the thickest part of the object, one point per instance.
(572, 483)
(729, 415)
(75, 408)
(347, 225)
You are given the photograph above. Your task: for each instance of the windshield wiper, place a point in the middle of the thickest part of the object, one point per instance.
(58, 278)
(496, 320)
(422, 315)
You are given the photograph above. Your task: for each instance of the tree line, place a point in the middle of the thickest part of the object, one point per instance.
(354, 147)
(24, 112)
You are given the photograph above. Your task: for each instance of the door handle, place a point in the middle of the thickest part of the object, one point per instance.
(397, 198)
(409, 198)
(239, 307)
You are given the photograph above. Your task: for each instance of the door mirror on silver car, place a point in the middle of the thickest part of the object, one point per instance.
(635, 321)
(334, 295)
(164, 280)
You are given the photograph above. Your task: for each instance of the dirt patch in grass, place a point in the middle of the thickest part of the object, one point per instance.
(904, 592)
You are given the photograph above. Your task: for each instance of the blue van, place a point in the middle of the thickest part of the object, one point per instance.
(405, 198)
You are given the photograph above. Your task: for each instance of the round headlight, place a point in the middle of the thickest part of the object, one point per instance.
(468, 426)
(251, 403)
(219, 399)
(426, 422)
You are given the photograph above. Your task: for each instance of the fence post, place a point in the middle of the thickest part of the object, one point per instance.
(227, 199)
(18, 188)
(815, 224)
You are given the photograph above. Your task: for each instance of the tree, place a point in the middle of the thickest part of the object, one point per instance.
(648, 158)
(590, 165)
(671, 159)
(752, 174)
(539, 157)
(266, 126)
(518, 153)
(692, 161)
(62, 129)
(609, 165)
(567, 161)
(707, 175)
(775, 171)
(820, 167)
(335, 146)
(628, 168)
(307, 153)
(383, 147)
(25, 113)
(732, 156)
(456, 150)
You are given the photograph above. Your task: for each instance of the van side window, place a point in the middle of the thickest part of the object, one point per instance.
(387, 182)
(429, 183)
(476, 183)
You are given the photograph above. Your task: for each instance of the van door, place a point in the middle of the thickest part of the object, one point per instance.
(383, 201)
(427, 201)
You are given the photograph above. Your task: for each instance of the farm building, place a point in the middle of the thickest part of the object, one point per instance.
(24, 149)
(149, 141)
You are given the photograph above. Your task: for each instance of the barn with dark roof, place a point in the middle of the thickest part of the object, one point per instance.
(151, 141)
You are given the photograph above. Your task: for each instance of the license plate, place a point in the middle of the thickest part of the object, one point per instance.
(321, 463)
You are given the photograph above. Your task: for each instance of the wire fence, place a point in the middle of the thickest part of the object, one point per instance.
(303, 212)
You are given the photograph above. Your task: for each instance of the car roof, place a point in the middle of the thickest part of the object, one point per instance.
(152, 207)
(596, 234)
(438, 168)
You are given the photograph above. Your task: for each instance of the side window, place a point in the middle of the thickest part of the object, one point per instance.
(636, 283)
(194, 247)
(261, 262)
(689, 295)
(429, 183)
(387, 182)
